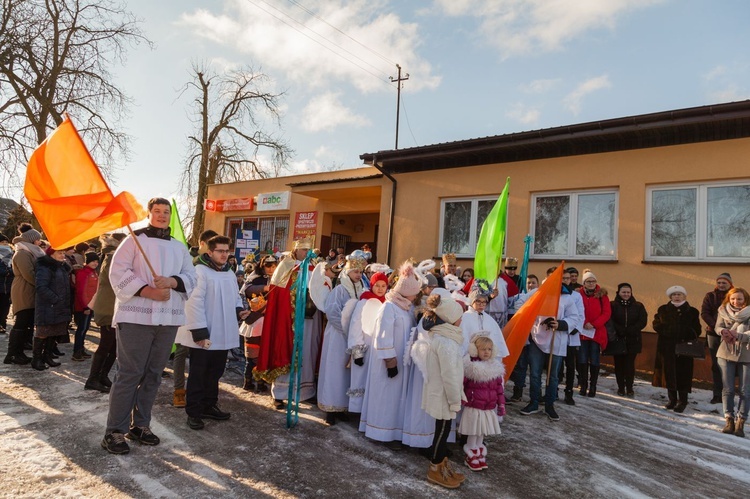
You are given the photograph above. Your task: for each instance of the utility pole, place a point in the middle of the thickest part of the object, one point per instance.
(398, 95)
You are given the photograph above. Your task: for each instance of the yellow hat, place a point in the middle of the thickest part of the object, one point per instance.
(304, 243)
(449, 259)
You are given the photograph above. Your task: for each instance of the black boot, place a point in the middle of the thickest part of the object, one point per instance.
(38, 351)
(672, 394)
(109, 361)
(49, 344)
(594, 379)
(682, 404)
(569, 397)
(583, 378)
(15, 348)
(97, 362)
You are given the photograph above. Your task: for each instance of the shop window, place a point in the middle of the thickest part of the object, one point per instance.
(274, 231)
(461, 222)
(577, 225)
(698, 222)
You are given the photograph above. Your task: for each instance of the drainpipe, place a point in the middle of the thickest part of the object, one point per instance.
(393, 208)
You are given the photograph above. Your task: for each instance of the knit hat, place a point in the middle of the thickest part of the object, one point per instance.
(445, 307)
(91, 256)
(587, 274)
(623, 285)
(378, 276)
(725, 275)
(432, 281)
(49, 250)
(31, 236)
(479, 289)
(409, 283)
(675, 289)
(82, 247)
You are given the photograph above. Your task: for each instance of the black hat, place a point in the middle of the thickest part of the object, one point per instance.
(91, 256)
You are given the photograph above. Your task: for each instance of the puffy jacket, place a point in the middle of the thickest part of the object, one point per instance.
(52, 292)
(483, 384)
(86, 284)
(597, 312)
(629, 318)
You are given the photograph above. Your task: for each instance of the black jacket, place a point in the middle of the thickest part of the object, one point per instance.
(710, 310)
(53, 296)
(677, 324)
(629, 318)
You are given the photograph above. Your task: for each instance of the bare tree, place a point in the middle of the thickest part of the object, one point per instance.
(231, 112)
(55, 57)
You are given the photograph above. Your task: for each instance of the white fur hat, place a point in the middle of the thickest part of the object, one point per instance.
(675, 289)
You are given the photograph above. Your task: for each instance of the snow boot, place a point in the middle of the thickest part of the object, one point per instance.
(729, 428)
(569, 397)
(179, 398)
(483, 459)
(583, 378)
(37, 362)
(594, 379)
(672, 394)
(441, 475)
(739, 427)
(15, 348)
(47, 357)
(473, 458)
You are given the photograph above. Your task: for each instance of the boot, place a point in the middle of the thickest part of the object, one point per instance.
(739, 427)
(96, 366)
(47, 357)
(729, 428)
(248, 385)
(517, 393)
(569, 397)
(441, 475)
(672, 394)
(583, 378)
(37, 362)
(682, 404)
(95, 384)
(179, 398)
(483, 458)
(594, 379)
(15, 348)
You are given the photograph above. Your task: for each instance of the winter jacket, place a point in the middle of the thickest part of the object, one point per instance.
(52, 292)
(22, 290)
(104, 305)
(597, 312)
(710, 309)
(86, 284)
(6, 269)
(483, 384)
(629, 318)
(677, 324)
(443, 388)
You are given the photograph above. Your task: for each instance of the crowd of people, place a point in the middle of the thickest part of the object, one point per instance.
(416, 353)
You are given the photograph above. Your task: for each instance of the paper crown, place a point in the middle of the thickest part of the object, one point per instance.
(355, 262)
(304, 243)
(449, 259)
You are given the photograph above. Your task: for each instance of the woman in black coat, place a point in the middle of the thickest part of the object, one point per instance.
(675, 322)
(52, 306)
(629, 318)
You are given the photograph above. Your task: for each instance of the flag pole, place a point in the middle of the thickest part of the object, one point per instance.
(143, 253)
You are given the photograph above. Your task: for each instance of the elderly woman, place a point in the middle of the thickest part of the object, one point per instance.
(733, 356)
(629, 318)
(675, 322)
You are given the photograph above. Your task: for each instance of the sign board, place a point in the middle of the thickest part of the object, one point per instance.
(305, 224)
(234, 204)
(245, 242)
(272, 201)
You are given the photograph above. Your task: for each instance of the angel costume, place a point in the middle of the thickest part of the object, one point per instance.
(361, 331)
(472, 322)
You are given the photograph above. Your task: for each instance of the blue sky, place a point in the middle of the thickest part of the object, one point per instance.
(477, 68)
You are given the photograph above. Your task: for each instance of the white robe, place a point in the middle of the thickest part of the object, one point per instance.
(472, 323)
(542, 335)
(212, 305)
(360, 335)
(382, 416)
(334, 376)
(310, 351)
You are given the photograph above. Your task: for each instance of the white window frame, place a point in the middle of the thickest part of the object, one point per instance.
(701, 222)
(573, 224)
(472, 221)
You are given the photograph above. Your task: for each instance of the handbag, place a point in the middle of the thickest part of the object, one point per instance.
(693, 348)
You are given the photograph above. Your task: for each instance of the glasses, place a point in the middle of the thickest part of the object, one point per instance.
(222, 251)
(480, 302)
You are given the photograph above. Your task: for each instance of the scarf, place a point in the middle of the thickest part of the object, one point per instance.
(448, 331)
(678, 304)
(369, 294)
(353, 288)
(739, 316)
(204, 259)
(398, 299)
(31, 248)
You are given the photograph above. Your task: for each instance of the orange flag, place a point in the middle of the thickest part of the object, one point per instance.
(68, 194)
(544, 301)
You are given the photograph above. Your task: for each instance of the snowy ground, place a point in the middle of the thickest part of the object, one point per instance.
(608, 446)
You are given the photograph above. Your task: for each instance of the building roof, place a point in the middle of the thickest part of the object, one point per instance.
(334, 180)
(667, 128)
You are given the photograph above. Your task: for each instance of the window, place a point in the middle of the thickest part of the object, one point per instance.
(698, 222)
(461, 222)
(273, 231)
(575, 225)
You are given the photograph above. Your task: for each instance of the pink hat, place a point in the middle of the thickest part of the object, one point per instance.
(409, 283)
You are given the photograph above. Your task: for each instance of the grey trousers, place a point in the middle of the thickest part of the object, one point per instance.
(142, 354)
(178, 366)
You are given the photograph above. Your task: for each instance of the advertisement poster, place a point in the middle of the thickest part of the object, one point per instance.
(305, 224)
(245, 242)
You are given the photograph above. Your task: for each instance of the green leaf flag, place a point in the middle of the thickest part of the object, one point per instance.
(492, 239)
(176, 226)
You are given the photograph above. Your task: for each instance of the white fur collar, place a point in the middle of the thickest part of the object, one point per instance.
(483, 371)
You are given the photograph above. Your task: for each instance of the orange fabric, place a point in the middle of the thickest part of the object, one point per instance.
(544, 302)
(68, 195)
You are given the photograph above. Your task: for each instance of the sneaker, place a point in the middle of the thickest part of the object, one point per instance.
(215, 413)
(195, 423)
(549, 410)
(115, 443)
(143, 435)
(530, 409)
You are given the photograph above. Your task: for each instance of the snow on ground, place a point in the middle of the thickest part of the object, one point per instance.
(608, 446)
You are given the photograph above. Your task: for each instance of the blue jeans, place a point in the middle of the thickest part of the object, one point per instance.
(82, 326)
(537, 362)
(589, 353)
(518, 376)
(728, 371)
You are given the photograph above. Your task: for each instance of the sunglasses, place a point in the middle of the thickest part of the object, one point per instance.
(511, 268)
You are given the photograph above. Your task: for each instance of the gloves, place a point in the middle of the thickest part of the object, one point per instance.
(360, 361)
(392, 372)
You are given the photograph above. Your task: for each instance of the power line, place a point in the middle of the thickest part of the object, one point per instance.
(408, 125)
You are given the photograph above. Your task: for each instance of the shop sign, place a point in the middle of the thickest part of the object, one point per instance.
(305, 224)
(272, 201)
(234, 204)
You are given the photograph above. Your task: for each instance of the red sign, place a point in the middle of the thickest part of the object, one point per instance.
(305, 224)
(235, 204)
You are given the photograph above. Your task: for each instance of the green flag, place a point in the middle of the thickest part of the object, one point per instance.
(492, 239)
(176, 226)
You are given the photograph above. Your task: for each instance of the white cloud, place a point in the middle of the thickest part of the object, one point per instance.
(326, 112)
(524, 114)
(540, 86)
(285, 38)
(715, 72)
(572, 101)
(518, 27)
(730, 93)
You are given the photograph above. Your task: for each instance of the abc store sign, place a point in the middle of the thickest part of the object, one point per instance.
(272, 201)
